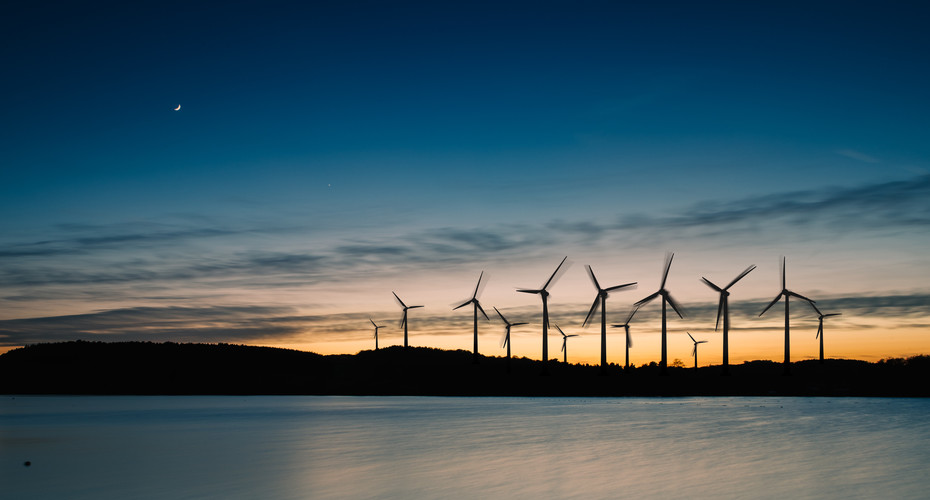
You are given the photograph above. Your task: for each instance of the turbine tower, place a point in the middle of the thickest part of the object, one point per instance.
(564, 342)
(723, 309)
(694, 351)
(403, 321)
(786, 294)
(505, 342)
(821, 316)
(666, 299)
(629, 339)
(376, 331)
(544, 294)
(474, 300)
(600, 301)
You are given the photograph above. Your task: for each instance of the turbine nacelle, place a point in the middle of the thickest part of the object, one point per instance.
(602, 294)
(725, 293)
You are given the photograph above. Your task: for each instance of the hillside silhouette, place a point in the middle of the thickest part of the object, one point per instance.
(81, 367)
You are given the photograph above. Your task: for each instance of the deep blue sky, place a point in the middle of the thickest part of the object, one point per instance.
(379, 138)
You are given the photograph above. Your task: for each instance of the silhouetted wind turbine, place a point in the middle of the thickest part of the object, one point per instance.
(723, 309)
(694, 351)
(821, 316)
(666, 298)
(564, 342)
(600, 301)
(786, 294)
(474, 300)
(544, 294)
(629, 339)
(403, 321)
(376, 331)
(505, 342)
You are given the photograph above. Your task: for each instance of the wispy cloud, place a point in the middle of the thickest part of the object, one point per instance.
(856, 155)
(254, 324)
(164, 255)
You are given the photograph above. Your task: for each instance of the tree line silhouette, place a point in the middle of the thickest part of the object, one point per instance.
(81, 367)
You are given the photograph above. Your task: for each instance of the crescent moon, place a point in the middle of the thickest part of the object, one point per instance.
(178, 108)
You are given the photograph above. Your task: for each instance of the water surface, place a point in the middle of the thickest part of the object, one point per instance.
(427, 447)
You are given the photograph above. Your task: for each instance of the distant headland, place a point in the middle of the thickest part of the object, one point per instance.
(81, 367)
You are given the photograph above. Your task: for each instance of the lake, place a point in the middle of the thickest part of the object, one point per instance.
(429, 447)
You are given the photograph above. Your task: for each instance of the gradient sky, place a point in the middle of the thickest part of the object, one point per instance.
(327, 154)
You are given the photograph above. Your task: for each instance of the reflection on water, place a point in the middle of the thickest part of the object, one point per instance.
(419, 447)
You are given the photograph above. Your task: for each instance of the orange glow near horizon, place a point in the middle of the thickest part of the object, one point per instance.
(868, 344)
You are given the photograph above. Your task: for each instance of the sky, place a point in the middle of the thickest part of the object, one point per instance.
(327, 154)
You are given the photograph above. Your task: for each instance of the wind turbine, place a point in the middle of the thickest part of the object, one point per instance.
(629, 339)
(787, 294)
(666, 299)
(821, 316)
(564, 342)
(403, 321)
(474, 300)
(723, 309)
(600, 301)
(376, 331)
(505, 342)
(694, 351)
(544, 294)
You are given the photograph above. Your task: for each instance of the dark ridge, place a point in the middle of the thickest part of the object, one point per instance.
(149, 368)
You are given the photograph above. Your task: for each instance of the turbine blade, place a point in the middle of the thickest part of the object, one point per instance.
(832, 314)
(593, 279)
(819, 330)
(504, 339)
(413, 307)
(559, 329)
(529, 291)
(692, 338)
(401, 302)
(668, 265)
(798, 295)
(463, 304)
(719, 312)
(554, 273)
(629, 338)
(633, 284)
(632, 312)
(816, 310)
(694, 351)
(372, 322)
(647, 299)
(783, 271)
(741, 275)
(478, 305)
(515, 324)
(702, 342)
(710, 284)
(403, 320)
(563, 345)
(594, 308)
(502, 317)
(772, 303)
(475, 295)
(675, 305)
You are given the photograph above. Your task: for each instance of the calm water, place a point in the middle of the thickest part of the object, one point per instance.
(415, 447)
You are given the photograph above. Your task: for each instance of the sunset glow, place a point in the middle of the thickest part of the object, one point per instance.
(329, 154)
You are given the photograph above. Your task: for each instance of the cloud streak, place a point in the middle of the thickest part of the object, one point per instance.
(178, 255)
(253, 324)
